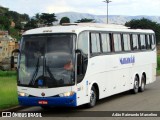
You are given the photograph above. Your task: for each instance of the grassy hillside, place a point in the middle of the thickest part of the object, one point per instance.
(7, 16)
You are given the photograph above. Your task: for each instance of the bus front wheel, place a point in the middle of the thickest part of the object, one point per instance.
(93, 97)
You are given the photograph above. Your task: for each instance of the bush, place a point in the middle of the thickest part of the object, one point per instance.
(158, 62)
(8, 73)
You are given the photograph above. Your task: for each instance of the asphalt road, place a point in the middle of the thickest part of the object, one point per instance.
(149, 100)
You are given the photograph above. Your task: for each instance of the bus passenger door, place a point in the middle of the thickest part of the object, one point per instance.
(81, 67)
(82, 83)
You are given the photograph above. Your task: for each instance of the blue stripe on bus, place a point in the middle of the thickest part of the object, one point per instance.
(52, 101)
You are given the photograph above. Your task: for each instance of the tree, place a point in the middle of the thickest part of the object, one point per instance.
(7, 16)
(31, 25)
(37, 17)
(17, 18)
(14, 33)
(48, 19)
(19, 26)
(64, 20)
(84, 20)
(3, 10)
(4, 23)
(24, 17)
(145, 24)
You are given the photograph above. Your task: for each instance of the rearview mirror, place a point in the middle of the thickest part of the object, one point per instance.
(78, 51)
(79, 57)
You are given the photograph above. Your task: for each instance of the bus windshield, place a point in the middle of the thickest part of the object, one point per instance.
(47, 61)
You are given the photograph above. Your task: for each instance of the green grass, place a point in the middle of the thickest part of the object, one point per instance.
(7, 73)
(8, 90)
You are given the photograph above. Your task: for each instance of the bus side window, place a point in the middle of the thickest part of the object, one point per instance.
(127, 42)
(148, 42)
(152, 37)
(105, 43)
(135, 42)
(95, 43)
(142, 42)
(83, 42)
(117, 42)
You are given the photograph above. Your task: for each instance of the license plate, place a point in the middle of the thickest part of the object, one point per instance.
(43, 102)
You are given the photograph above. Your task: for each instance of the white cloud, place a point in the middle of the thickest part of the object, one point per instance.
(58, 9)
(116, 7)
(58, 6)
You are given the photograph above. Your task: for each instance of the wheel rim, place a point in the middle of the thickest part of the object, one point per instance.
(92, 97)
(136, 86)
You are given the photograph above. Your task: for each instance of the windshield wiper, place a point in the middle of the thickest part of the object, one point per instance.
(48, 70)
(51, 75)
(33, 80)
(35, 73)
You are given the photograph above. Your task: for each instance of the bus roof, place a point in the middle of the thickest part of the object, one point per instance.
(78, 27)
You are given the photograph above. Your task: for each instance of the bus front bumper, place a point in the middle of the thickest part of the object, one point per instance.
(48, 101)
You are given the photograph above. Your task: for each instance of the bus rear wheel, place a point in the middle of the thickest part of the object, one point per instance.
(136, 85)
(93, 97)
(143, 83)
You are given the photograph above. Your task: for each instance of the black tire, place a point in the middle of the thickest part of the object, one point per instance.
(143, 83)
(93, 98)
(136, 85)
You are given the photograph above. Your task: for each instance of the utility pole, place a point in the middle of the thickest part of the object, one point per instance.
(107, 1)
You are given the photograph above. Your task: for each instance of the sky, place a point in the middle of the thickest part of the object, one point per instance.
(96, 7)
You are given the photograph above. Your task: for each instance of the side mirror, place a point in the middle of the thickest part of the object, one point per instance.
(79, 57)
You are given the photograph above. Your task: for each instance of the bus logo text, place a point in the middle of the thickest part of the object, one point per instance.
(127, 60)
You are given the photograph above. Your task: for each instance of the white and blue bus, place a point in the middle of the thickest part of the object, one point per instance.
(79, 64)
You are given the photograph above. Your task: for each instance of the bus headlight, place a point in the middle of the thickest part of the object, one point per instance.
(66, 94)
(22, 94)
